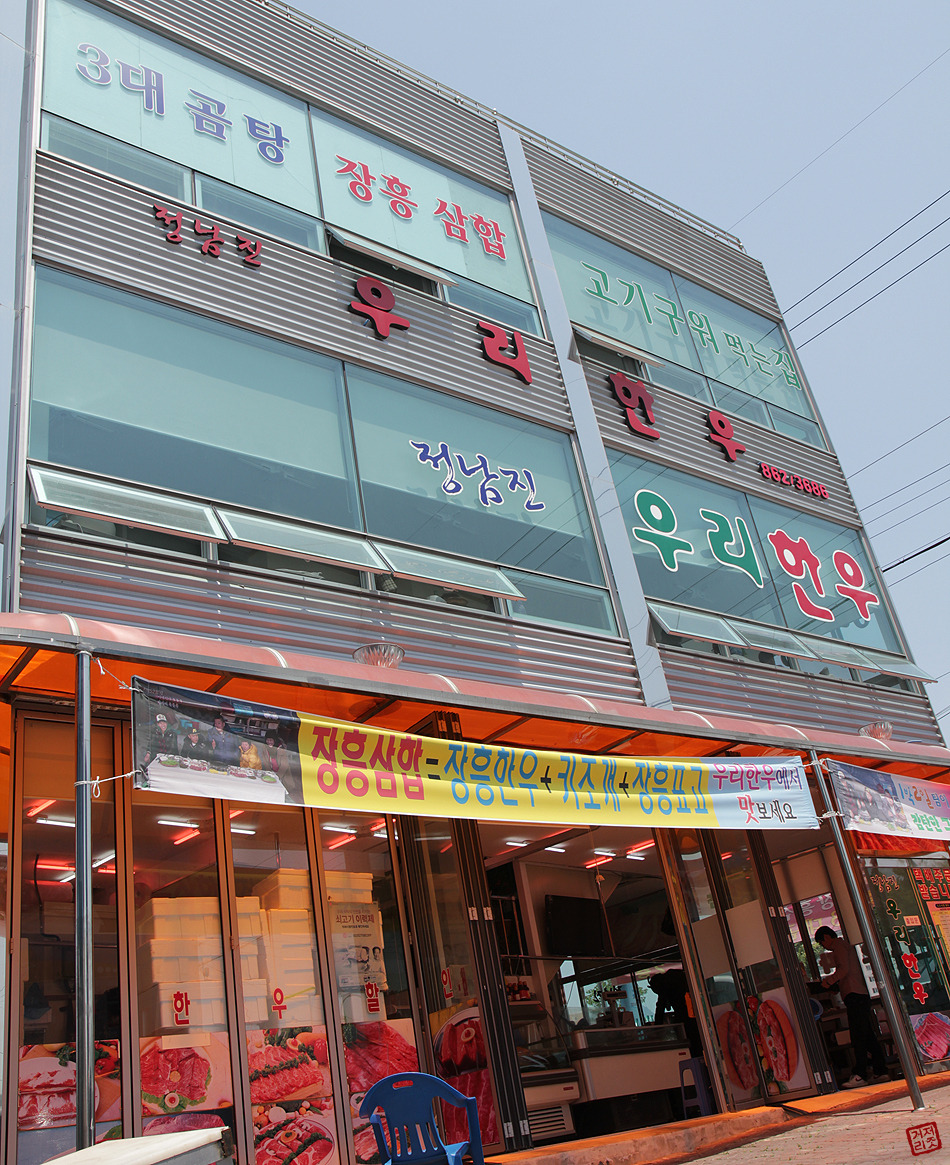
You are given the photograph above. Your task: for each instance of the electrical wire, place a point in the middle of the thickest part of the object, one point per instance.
(893, 283)
(900, 489)
(873, 247)
(923, 510)
(926, 566)
(908, 502)
(828, 149)
(879, 267)
(917, 554)
(903, 445)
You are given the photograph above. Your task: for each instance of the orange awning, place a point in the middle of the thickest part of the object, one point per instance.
(36, 660)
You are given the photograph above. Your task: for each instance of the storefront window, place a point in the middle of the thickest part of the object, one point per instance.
(440, 472)
(46, 1104)
(127, 387)
(371, 978)
(288, 1065)
(735, 554)
(184, 1045)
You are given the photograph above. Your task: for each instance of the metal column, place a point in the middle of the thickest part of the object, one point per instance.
(85, 999)
(869, 932)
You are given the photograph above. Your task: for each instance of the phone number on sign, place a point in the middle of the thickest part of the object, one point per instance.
(783, 477)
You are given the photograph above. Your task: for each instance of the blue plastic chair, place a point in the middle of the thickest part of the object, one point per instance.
(407, 1100)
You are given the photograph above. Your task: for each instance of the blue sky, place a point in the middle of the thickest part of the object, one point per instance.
(716, 106)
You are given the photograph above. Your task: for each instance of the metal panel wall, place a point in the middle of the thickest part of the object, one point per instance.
(316, 63)
(140, 588)
(705, 684)
(620, 216)
(95, 225)
(684, 444)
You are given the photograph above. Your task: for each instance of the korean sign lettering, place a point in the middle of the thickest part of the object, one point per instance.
(249, 249)
(877, 802)
(737, 554)
(335, 764)
(406, 202)
(440, 457)
(132, 85)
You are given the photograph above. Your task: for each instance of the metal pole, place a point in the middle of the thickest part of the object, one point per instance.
(868, 930)
(85, 1000)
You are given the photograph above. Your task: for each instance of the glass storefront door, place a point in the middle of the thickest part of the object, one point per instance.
(756, 1016)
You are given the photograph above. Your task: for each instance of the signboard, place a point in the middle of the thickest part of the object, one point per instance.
(271, 755)
(412, 205)
(117, 78)
(876, 802)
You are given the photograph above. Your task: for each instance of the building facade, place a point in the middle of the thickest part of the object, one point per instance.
(333, 390)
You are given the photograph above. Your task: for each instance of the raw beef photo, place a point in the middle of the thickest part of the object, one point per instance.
(173, 1079)
(47, 1093)
(374, 1050)
(298, 1137)
(183, 1123)
(288, 1064)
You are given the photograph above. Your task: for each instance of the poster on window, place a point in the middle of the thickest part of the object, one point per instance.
(358, 953)
(872, 801)
(196, 744)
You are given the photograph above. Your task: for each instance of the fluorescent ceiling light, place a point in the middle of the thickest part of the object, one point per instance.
(56, 821)
(102, 861)
(177, 824)
(340, 829)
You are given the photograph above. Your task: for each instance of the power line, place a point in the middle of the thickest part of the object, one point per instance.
(903, 445)
(893, 283)
(894, 525)
(840, 139)
(900, 489)
(916, 554)
(909, 502)
(873, 247)
(879, 267)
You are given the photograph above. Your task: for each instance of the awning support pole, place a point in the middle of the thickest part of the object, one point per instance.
(889, 998)
(85, 998)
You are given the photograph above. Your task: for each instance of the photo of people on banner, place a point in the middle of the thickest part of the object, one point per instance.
(195, 744)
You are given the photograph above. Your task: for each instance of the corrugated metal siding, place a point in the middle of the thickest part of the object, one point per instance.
(622, 217)
(261, 39)
(95, 225)
(143, 589)
(705, 684)
(684, 444)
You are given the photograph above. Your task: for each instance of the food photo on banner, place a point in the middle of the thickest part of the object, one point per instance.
(192, 743)
(871, 801)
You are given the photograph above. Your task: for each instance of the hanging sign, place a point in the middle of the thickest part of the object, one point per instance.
(197, 744)
(875, 802)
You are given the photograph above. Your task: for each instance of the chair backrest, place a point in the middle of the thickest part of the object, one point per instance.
(406, 1099)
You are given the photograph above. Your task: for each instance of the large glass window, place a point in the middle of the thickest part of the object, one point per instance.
(443, 473)
(712, 547)
(404, 201)
(115, 77)
(128, 387)
(748, 368)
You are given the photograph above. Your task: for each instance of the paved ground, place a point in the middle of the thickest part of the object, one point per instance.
(869, 1137)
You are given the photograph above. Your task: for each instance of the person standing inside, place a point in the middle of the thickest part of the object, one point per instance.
(848, 978)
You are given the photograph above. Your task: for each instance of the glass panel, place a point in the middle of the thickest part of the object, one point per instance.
(259, 214)
(433, 472)
(448, 968)
(288, 1065)
(738, 402)
(185, 1054)
(134, 507)
(303, 541)
(371, 977)
(435, 594)
(467, 576)
(770, 639)
(287, 564)
(619, 294)
(407, 202)
(176, 104)
(678, 621)
(140, 391)
(682, 380)
(98, 528)
(898, 667)
(742, 349)
(493, 305)
(797, 427)
(549, 600)
(46, 1107)
(389, 257)
(105, 153)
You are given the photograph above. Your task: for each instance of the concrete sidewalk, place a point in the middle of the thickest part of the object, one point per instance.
(861, 1127)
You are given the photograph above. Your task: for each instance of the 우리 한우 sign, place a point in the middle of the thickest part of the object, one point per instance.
(193, 743)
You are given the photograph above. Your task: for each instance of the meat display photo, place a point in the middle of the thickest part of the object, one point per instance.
(47, 1085)
(374, 1050)
(288, 1064)
(300, 1134)
(462, 1061)
(774, 1046)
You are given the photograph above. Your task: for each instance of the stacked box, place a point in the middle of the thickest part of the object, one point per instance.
(285, 890)
(179, 950)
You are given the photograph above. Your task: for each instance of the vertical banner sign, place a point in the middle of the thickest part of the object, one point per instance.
(196, 744)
